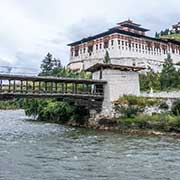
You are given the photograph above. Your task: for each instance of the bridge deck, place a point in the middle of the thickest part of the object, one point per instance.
(12, 86)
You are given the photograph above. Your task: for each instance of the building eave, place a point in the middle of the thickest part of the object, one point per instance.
(100, 66)
(116, 30)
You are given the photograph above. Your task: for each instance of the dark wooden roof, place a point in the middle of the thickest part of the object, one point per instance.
(135, 27)
(49, 79)
(117, 30)
(100, 66)
(128, 22)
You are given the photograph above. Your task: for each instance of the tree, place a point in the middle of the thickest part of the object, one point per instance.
(107, 59)
(156, 35)
(176, 107)
(166, 32)
(169, 75)
(162, 33)
(56, 63)
(150, 80)
(47, 64)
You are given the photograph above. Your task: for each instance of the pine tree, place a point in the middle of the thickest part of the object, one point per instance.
(152, 78)
(56, 63)
(156, 35)
(107, 59)
(47, 64)
(162, 33)
(166, 32)
(169, 75)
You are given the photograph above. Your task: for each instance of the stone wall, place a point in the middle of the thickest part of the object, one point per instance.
(163, 94)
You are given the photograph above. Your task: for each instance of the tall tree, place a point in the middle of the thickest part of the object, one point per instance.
(47, 64)
(156, 35)
(169, 75)
(107, 59)
(56, 63)
(150, 81)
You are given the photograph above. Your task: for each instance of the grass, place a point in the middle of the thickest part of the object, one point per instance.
(172, 36)
(160, 122)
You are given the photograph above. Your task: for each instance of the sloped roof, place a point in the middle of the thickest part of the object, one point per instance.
(100, 66)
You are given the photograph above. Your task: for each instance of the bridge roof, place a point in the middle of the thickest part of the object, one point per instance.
(50, 79)
(100, 66)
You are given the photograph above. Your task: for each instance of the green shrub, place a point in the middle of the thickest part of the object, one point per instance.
(164, 106)
(161, 122)
(130, 111)
(176, 108)
(138, 100)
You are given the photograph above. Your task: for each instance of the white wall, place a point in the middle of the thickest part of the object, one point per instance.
(119, 83)
(123, 55)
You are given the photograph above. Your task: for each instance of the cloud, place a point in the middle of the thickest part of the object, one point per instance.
(30, 29)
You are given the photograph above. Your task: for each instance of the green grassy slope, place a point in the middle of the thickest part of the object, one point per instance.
(172, 36)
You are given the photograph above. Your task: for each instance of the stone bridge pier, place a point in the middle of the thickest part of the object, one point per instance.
(121, 80)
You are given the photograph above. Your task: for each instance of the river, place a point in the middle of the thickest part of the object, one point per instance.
(31, 150)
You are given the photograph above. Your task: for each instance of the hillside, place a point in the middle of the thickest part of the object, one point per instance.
(172, 36)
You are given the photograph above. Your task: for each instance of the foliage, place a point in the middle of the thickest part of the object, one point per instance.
(178, 63)
(138, 100)
(107, 59)
(164, 106)
(163, 122)
(176, 108)
(9, 105)
(130, 106)
(175, 36)
(169, 76)
(168, 79)
(55, 109)
(65, 72)
(49, 64)
(150, 81)
(129, 111)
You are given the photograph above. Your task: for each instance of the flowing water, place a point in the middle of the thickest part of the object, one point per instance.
(31, 150)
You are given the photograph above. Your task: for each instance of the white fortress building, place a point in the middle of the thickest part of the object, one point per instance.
(127, 44)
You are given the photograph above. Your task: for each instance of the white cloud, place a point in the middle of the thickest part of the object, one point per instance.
(30, 29)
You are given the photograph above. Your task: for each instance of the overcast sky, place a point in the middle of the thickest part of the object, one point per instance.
(31, 28)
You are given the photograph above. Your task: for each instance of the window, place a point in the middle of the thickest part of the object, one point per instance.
(96, 46)
(119, 42)
(84, 50)
(90, 50)
(100, 46)
(106, 44)
(112, 42)
(76, 52)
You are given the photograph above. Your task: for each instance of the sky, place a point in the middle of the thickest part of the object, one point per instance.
(29, 29)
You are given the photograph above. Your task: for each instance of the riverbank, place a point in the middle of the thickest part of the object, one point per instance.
(157, 124)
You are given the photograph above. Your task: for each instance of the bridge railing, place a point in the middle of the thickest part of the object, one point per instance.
(11, 85)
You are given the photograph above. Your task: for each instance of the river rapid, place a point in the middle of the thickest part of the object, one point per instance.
(31, 150)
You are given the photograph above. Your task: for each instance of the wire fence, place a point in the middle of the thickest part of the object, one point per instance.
(13, 70)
